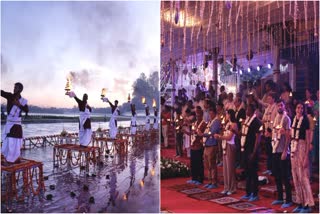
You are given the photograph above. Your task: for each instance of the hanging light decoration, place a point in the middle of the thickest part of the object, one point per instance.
(177, 10)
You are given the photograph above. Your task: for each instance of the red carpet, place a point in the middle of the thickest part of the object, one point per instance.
(174, 201)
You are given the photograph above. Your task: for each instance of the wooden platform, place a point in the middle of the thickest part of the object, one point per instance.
(76, 155)
(21, 180)
(112, 146)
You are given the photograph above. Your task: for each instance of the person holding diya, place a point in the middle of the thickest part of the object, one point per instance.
(12, 136)
(155, 119)
(229, 152)
(147, 121)
(133, 124)
(113, 126)
(300, 145)
(280, 154)
(85, 132)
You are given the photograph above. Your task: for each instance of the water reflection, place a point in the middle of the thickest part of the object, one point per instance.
(115, 187)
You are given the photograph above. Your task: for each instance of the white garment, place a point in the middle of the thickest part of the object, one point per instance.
(11, 146)
(133, 125)
(156, 123)
(112, 124)
(231, 141)
(186, 138)
(84, 134)
(147, 126)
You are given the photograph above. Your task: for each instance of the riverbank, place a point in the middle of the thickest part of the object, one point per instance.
(67, 119)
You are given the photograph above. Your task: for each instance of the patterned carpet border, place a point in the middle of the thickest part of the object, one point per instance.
(242, 206)
(193, 191)
(181, 187)
(206, 196)
(225, 200)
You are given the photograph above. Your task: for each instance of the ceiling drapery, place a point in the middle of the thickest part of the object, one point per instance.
(237, 28)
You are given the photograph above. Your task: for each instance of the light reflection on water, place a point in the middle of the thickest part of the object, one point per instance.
(125, 174)
(31, 130)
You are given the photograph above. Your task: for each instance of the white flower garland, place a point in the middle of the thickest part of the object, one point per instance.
(267, 116)
(207, 131)
(224, 142)
(244, 130)
(295, 134)
(276, 135)
(195, 128)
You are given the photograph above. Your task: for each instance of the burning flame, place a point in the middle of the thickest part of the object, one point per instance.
(240, 120)
(68, 85)
(307, 102)
(192, 127)
(141, 183)
(223, 121)
(290, 95)
(125, 197)
(154, 104)
(103, 92)
(261, 128)
(143, 100)
(278, 127)
(153, 172)
(314, 119)
(181, 117)
(129, 98)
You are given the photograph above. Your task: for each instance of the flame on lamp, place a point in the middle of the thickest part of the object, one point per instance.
(129, 98)
(153, 172)
(223, 121)
(290, 95)
(261, 128)
(125, 197)
(278, 127)
(141, 183)
(68, 85)
(154, 104)
(143, 100)
(103, 92)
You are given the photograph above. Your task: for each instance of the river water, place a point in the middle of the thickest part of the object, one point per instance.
(117, 186)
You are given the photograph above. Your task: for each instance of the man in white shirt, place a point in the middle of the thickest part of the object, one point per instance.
(268, 120)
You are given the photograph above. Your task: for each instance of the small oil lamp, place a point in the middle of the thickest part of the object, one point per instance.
(103, 93)
(68, 87)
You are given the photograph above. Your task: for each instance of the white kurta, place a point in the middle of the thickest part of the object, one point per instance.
(85, 135)
(133, 125)
(147, 125)
(156, 123)
(11, 146)
(112, 124)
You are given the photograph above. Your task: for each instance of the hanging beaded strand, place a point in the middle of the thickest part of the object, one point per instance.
(185, 30)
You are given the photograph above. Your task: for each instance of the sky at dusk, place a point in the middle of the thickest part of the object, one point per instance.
(105, 44)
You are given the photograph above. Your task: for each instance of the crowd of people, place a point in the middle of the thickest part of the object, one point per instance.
(234, 130)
